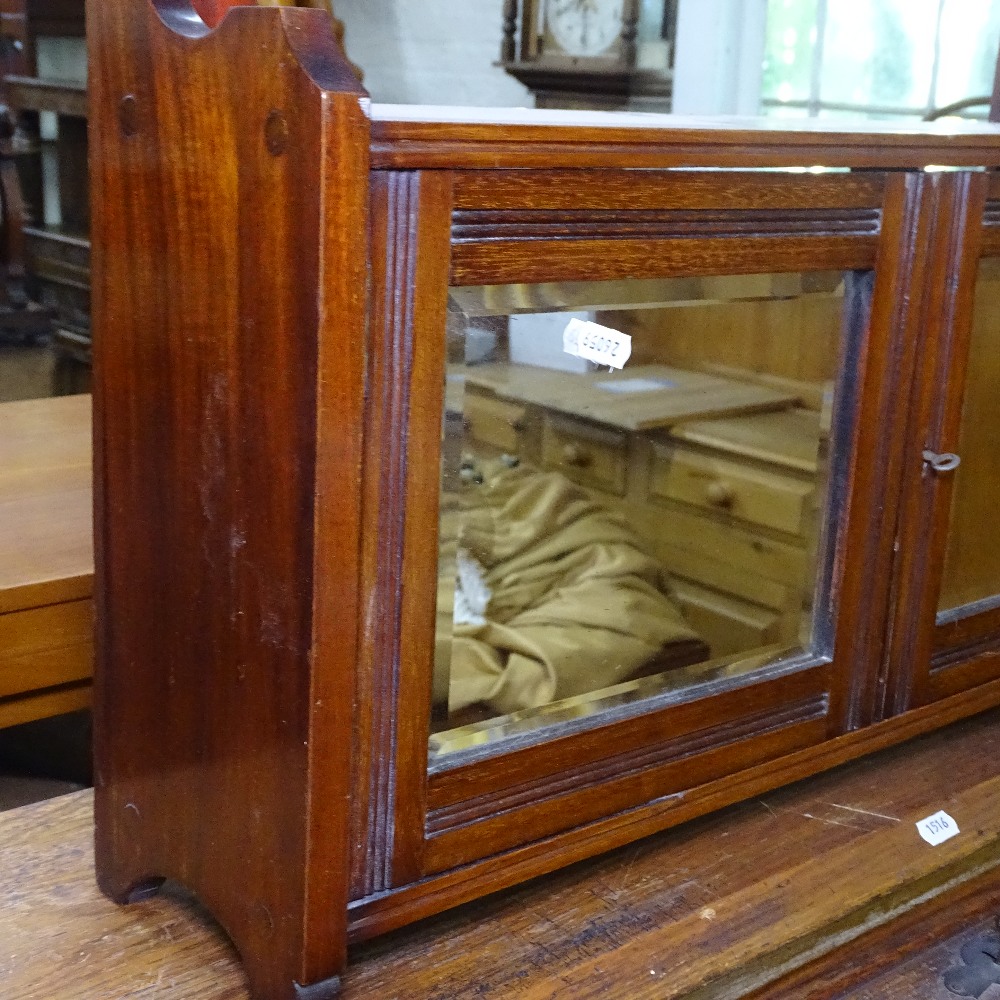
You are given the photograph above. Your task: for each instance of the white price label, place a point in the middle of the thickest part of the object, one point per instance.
(938, 828)
(597, 343)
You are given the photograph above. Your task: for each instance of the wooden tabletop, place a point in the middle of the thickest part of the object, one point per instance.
(46, 547)
(715, 908)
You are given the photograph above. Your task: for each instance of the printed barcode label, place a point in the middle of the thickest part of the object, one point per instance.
(597, 343)
(938, 828)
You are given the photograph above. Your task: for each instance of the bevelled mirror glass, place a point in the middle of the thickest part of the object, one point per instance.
(633, 484)
(972, 555)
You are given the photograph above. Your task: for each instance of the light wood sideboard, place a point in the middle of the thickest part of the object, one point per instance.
(46, 558)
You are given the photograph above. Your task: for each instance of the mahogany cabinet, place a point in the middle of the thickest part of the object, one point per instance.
(402, 597)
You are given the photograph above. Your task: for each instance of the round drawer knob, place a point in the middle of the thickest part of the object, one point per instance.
(573, 454)
(719, 494)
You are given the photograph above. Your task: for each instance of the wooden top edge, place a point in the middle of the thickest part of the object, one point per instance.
(73, 406)
(418, 137)
(403, 122)
(45, 590)
(426, 136)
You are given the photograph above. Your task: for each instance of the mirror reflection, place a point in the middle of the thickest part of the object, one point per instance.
(972, 555)
(612, 529)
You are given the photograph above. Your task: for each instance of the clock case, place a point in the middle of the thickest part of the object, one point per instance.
(608, 80)
(272, 257)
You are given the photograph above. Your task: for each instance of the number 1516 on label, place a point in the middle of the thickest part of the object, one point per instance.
(938, 828)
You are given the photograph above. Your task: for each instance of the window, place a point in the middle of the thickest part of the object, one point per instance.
(877, 58)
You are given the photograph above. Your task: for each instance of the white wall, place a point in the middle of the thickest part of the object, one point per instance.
(430, 51)
(720, 54)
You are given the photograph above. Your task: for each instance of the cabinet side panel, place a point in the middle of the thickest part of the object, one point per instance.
(210, 184)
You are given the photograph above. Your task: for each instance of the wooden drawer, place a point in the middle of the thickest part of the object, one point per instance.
(496, 422)
(757, 495)
(726, 623)
(721, 541)
(724, 576)
(45, 647)
(592, 456)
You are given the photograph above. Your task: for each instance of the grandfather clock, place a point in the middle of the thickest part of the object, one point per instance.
(604, 54)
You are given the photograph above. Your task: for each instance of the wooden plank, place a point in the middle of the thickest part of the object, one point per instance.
(725, 892)
(788, 437)
(229, 334)
(46, 548)
(890, 880)
(62, 97)
(44, 705)
(406, 137)
(903, 959)
(540, 260)
(645, 397)
(610, 189)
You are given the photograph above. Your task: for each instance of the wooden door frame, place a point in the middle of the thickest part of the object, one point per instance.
(408, 829)
(927, 661)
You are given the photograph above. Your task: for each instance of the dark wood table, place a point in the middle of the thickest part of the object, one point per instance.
(829, 872)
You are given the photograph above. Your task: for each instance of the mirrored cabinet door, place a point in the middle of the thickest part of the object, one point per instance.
(970, 583)
(948, 615)
(624, 532)
(634, 489)
(967, 615)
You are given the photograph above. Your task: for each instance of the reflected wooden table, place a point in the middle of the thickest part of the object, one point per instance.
(828, 876)
(46, 558)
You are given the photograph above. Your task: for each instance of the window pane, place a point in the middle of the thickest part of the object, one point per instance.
(970, 36)
(858, 116)
(650, 27)
(879, 52)
(788, 52)
(607, 536)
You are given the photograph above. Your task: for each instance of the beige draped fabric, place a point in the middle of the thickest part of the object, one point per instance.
(566, 601)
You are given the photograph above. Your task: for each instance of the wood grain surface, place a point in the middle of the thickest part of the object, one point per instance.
(716, 908)
(46, 545)
(268, 395)
(903, 959)
(46, 558)
(417, 137)
(923, 975)
(228, 389)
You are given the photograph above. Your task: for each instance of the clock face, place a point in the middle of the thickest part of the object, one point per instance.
(584, 27)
